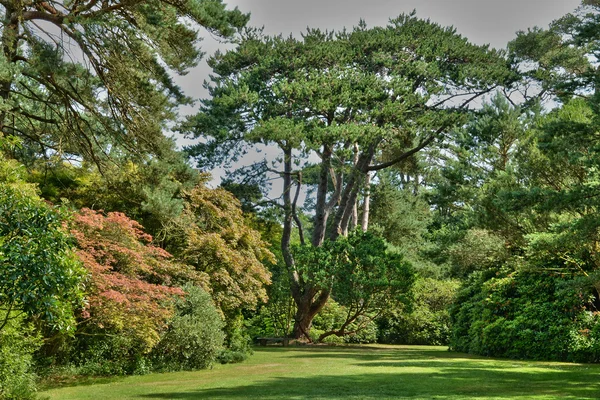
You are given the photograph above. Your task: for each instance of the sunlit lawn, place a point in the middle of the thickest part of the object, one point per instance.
(369, 372)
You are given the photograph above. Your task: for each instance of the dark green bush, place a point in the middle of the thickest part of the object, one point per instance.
(537, 315)
(106, 353)
(18, 342)
(194, 338)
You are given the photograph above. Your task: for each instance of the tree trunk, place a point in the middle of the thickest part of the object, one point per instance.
(354, 220)
(308, 306)
(321, 209)
(366, 203)
(302, 321)
(350, 193)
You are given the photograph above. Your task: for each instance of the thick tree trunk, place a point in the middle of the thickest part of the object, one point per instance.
(307, 307)
(302, 321)
(309, 301)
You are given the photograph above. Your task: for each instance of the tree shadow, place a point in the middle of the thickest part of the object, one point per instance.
(443, 383)
(366, 353)
(62, 381)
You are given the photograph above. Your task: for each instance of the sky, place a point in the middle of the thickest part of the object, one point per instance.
(493, 22)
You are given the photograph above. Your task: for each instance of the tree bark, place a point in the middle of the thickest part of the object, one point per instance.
(287, 220)
(366, 203)
(322, 211)
(354, 220)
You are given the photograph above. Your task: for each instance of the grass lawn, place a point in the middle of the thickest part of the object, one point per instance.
(368, 372)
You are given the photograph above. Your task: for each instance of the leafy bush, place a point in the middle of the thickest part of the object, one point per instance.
(525, 314)
(428, 323)
(238, 343)
(18, 342)
(39, 273)
(262, 324)
(131, 280)
(105, 355)
(194, 337)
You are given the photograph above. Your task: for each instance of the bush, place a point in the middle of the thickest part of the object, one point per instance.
(109, 354)
(367, 333)
(194, 338)
(429, 321)
(238, 342)
(527, 315)
(18, 342)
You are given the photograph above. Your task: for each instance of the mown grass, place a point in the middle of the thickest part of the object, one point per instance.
(368, 372)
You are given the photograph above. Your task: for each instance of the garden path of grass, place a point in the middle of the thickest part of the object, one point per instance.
(367, 372)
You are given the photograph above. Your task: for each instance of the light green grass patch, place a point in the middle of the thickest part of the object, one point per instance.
(366, 372)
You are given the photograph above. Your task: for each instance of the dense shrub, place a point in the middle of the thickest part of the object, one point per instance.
(194, 337)
(428, 323)
(238, 342)
(261, 324)
(527, 315)
(110, 354)
(18, 342)
(39, 274)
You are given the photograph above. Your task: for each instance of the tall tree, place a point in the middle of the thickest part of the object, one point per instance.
(356, 101)
(84, 78)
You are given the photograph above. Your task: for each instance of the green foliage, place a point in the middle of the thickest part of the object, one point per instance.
(542, 303)
(478, 249)
(101, 354)
(427, 322)
(194, 337)
(18, 342)
(149, 189)
(523, 314)
(237, 345)
(39, 273)
(401, 214)
(219, 244)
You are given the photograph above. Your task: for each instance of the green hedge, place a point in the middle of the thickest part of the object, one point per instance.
(534, 314)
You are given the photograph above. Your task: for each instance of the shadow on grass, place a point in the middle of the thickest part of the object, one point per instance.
(441, 383)
(61, 381)
(366, 353)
